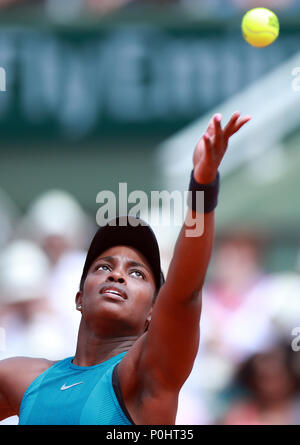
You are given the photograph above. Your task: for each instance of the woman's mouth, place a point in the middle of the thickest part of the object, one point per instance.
(114, 291)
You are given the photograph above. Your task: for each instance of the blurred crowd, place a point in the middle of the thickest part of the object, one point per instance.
(72, 8)
(41, 262)
(246, 370)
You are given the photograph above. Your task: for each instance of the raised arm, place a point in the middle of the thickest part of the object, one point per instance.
(172, 339)
(191, 256)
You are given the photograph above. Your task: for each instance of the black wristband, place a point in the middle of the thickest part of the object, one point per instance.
(210, 190)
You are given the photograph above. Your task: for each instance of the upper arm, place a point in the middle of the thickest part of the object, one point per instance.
(14, 383)
(172, 340)
(6, 410)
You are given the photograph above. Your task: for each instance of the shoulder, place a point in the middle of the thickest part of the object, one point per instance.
(13, 365)
(17, 373)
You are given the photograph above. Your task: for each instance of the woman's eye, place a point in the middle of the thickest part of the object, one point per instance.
(138, 273)
(102, 267)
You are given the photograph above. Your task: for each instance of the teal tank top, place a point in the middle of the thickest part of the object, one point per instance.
(67, 394)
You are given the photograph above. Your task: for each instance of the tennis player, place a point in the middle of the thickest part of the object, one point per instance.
(139, 334)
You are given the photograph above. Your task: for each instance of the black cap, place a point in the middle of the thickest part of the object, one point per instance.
(128, 231)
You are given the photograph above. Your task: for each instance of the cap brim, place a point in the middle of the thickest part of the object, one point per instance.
(128, 231)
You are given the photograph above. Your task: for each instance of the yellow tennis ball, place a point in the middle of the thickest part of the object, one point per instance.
(260, 27)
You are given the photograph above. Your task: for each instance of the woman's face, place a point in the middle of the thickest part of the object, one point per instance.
(118, 292)
(272, 380)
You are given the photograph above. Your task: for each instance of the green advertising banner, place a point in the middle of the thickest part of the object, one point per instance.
(107, 82)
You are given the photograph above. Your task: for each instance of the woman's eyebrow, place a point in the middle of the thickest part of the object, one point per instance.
(136, 264)
(106, 258)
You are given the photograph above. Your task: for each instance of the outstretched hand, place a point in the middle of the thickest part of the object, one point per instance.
(212, 146)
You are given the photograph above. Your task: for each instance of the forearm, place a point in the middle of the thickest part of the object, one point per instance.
(193, 250)
(191, 256)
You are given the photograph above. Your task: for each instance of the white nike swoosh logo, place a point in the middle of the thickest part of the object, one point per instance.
(69, 386)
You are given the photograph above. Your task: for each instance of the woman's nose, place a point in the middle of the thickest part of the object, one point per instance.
(116, 277)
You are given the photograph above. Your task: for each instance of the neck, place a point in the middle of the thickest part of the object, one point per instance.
(94, 348)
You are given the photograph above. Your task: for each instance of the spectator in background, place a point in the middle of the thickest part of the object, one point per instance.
(56, 221)
(25, 314)
(236, 298)
(271, 384)
(283, 294)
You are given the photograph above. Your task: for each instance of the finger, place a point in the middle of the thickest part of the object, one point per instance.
(240, 123)
(228, 128)
(211, 127)
(207, 144)
(237, 125)
(218, 130)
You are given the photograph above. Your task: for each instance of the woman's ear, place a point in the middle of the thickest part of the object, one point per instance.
(78, 301)
(148, 319)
